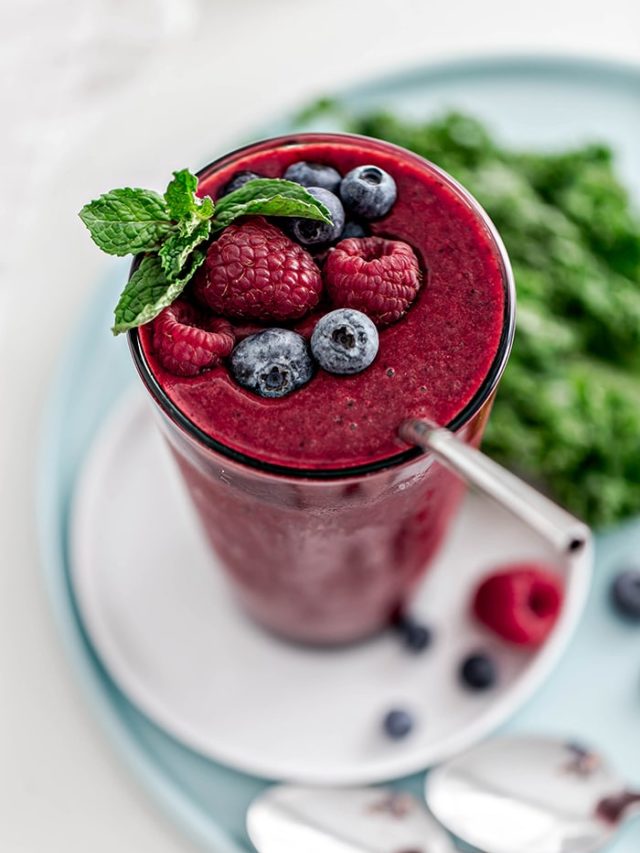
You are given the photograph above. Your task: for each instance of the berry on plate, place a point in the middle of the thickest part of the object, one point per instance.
(254, 271)
(520, 603)
(272, 363)
(478, 671)
(415, 636)
(314, 175)
(311, 232)
(376, 276)
(368, 191)
(187, 344)
(237, 181)
(625, 593)
(398, 724)
(344, 341)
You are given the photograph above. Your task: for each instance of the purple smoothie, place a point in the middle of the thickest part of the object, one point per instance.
(318, 549)
(430, 363)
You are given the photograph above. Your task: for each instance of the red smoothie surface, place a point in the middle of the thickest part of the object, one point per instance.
(430, 363)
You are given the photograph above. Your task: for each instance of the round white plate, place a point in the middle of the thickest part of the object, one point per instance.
(161, 617)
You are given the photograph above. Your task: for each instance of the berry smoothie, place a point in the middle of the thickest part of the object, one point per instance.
(323, 518)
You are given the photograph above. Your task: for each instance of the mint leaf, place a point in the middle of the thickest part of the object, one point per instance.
(268, 197)
(181, 199)
(127, 221)
(177, 247)
(148, 291)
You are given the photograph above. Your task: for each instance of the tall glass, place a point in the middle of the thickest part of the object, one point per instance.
(325, 556)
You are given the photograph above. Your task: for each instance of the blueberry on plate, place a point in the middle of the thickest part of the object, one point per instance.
(237, 181)
(625, 593)
(398, 724)
(368, 191)
(478, 672)
(344, 341)
(272, 363)
(310, 232)
(314, 175)
(415, 636)
(355, 229)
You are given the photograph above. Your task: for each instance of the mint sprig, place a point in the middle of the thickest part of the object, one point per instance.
(127, 221)
(170, 228)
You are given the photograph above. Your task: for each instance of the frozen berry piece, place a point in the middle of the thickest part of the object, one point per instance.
(520, 603)
(377, 276)
(344, 341)
(314, 175)
(398, 724)
(311, 232)
(478, 671)
(237, 181)
(187, 344)
(355, 229)
(415, 636)
(625, 593)
(254, 271)
(368, 191)
(272, 363)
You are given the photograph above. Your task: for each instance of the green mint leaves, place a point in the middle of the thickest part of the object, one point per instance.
(127, 221)
(170, 228)
(268, 197)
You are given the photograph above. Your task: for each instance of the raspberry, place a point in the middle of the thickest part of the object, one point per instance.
(376, 276)
(256, 272)
(185, 344)
(520, 603)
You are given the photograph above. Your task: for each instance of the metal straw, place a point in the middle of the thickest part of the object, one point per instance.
(557, 526)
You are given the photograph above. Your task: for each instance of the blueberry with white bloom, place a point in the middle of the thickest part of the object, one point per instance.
(345, 341)
(310, 232)
(314, 175)
(272, 363)
(368, 191)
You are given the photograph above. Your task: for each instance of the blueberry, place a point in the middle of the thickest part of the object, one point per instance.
(272, 363)
(237, 181)
(478, 671)
(625, 592)
(368, 191)
(311, 231)
(397, 724)
(355, 229)
(314, 175)
(415, 636)
(344, 341)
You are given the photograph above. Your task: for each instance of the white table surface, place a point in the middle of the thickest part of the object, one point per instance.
(67, 67)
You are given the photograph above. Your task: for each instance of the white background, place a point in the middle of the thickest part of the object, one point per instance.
(67, 68)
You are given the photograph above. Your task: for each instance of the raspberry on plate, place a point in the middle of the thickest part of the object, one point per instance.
(379, 277)
(187, 344)
(254, 271)
(520, 603)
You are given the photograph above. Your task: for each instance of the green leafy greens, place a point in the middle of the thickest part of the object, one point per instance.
(170, 228)
(567, 414)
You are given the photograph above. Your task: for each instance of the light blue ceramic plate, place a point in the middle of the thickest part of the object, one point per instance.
(595, 692)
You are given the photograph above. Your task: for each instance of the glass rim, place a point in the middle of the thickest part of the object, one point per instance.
(475, 404)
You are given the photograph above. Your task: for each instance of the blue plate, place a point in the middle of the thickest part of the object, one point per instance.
(595, 692)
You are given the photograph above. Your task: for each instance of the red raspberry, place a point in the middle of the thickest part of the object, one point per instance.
(520, 603)
(256, 272)
(378, 277)
(186, 344)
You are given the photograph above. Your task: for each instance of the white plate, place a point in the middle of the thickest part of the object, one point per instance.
(160, 616)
